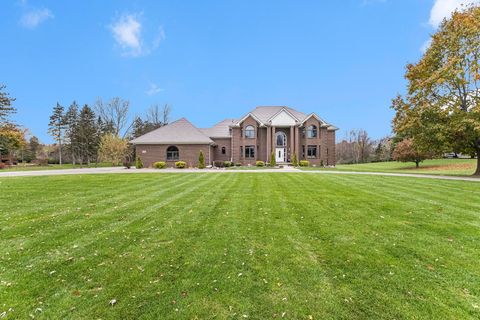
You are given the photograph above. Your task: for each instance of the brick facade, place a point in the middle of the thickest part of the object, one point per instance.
(228, 141)
(149, 154)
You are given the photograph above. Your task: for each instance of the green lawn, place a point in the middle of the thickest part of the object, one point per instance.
(456, 167)
(29, 167)
(240, 246)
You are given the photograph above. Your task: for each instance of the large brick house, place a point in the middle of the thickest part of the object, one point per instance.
(281, 130)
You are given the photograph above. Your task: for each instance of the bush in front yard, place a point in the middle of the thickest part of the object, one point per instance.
(201, 161)
(160, 165)
(238, 164)
(304, 163)
(218, 164)
(227, 164)
(260, 164)
(180, 164)
(138, 163)
(294, 160)
(273, 161)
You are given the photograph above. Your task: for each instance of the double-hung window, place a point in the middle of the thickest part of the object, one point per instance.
(249, 152)
(312, 152)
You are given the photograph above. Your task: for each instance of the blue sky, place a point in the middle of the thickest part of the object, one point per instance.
(211, 60)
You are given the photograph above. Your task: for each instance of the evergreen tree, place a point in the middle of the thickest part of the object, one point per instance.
(87, 134)
(294, 160)
(31, 149)
(201, 160)
(71, 131)
(6, 108)
(56, 127)
(273, 161)
(137, 127)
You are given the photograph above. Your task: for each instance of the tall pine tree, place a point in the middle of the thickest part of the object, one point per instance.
(71, 131)
(6, 108)
(87, 134)
(56, 127)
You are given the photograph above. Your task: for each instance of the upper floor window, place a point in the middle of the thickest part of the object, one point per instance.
(249, 132)
(312, 131)
(224, 150)
(172, 153)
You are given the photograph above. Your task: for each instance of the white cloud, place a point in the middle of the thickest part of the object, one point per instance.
(444, 8)
(127, 31)
(34, 17)
(153, 90)
(159, 38)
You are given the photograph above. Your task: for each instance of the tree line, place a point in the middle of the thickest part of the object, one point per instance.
(82, 135)
(85, 135)
(358, 147)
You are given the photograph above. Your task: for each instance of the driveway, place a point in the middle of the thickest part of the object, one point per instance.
(283, 170)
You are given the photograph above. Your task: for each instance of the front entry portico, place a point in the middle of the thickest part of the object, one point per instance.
(280, 147)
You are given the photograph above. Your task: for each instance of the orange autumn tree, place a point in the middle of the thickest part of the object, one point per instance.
(441, 110)
(406, 151)
(11, 138)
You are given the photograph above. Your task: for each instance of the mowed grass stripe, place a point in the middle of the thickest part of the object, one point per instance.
(69, 199)
(259, 245)
(72, 222)
(87, 231)
(396, 237)
(60, 257)
(137, 267)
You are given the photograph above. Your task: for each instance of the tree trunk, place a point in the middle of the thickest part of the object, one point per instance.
(477, 171)
(60, 151)
(417, 164)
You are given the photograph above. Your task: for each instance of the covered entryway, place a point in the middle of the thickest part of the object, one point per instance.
(281, 147)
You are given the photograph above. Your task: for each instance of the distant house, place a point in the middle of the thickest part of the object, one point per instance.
(281, 130)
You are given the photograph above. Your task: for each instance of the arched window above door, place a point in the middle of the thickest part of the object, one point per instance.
(281, 139)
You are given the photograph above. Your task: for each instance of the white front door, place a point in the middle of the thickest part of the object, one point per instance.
(280, 155)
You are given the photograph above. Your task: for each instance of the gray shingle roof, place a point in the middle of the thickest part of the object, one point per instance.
(265, 113)
(220, 130)
(178, 132)
(184, 132)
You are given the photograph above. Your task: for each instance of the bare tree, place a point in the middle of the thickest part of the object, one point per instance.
(158, 117)
(364, 144)
(114, 113)
(356, 147)
(166, 114)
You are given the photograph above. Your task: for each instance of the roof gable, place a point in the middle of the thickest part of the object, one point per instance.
(314, 115)
(181, 131)
(250, 114)
(283, 118)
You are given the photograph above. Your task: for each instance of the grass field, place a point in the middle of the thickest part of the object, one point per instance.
(239, 245)
(28, 166)
(455, 167)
